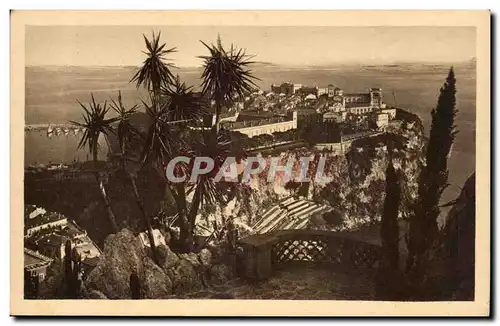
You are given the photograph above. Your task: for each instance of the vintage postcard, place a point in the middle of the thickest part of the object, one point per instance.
(250, 163)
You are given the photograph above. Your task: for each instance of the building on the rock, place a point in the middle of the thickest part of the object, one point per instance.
(311, 98)
(32, 211)
(332, 116)
(322, 91)
(307, 90)
(34, 223)
(382, 120)
(391, 112)
(341, 104)
(47, 233)
(253, 128)
(285, 88)
(36, 264)
(52, 242)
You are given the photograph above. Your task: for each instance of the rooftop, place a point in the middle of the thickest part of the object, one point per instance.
(88, 249)
(43, 219)
(69, 230)
(253, 123)
(365, 96)
(28, 209)
(357, 104)
(33, 259)
(55, 240)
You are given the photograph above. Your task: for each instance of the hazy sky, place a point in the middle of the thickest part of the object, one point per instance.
(122, 45)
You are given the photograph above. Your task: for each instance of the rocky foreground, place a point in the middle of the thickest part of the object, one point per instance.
(205, 275)
(124, 254)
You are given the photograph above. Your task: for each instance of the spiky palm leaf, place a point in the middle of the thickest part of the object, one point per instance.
(181, 102)
(155, 70)
(125, 131)
(206, 190)
(159, 144)
(94, 124)
(226, 74)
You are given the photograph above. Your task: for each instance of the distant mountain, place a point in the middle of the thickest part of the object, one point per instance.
(265, 64)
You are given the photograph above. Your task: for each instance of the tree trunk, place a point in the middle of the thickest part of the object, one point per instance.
(102, 190)
(186, 233)
(193, 211)
(178, 198)
(217, 116)
(145, 217)
(195, 205)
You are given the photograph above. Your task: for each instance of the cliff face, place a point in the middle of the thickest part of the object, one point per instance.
(357, 188)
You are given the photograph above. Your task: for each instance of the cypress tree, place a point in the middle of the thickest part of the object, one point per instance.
(432, 181)
(71, 271)
(68, 270)
(389, 231)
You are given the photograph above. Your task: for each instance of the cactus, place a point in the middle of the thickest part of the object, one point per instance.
(135, 286)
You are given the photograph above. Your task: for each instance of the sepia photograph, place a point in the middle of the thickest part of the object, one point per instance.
(214, 162)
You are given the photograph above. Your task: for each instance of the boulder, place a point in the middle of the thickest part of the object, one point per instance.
(109, 239)
(123, 254)
(217, 253)
(156, 284)
(205, 257)
(177, 274)
(192, 258)
(185, 278)
(221, 273)
(167, 257)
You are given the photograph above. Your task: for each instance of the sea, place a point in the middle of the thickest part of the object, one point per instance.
(52, 94)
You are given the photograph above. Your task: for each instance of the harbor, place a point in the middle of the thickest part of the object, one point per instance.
(57, 129)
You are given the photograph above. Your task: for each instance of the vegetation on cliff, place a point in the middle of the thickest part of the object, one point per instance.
(433, 179)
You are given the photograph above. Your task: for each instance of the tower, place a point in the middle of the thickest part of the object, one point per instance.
(331, 90)
(295, 119)
(375, 97)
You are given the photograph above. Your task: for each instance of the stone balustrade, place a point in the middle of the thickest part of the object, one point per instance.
(265, 253)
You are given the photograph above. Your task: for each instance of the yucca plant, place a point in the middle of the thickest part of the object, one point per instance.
(206, 190)
(182, 103)
(159, 142)
(126, 133)
(94, 125)
(160, 145)
(155, 71)
(226, 75)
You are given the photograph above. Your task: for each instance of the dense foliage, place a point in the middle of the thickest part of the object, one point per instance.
(433, 179)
